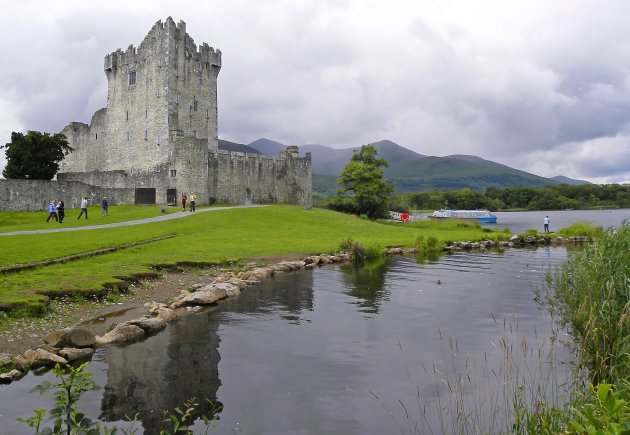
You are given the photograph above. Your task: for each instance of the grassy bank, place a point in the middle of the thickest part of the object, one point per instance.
(590, 295)
(210, 237)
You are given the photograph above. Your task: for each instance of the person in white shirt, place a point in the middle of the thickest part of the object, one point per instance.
(83, 208)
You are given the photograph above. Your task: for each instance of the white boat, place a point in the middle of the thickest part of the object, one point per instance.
(481, 216)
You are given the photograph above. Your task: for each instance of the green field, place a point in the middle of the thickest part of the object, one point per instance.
(211, 237)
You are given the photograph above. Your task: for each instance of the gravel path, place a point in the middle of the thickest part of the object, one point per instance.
(164, 217)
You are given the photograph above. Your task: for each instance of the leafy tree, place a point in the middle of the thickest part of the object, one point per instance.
(363, 178)
(35, 155)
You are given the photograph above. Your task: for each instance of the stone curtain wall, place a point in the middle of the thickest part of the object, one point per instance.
(35, 195)
(258, 179)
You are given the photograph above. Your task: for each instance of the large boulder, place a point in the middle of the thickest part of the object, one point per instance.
(71, 337)
(122, 333)
(73, 353)
(13, 375)
(208, 295)
(231, 288)
(35, 358)
(149, 325)
(5, 359)
(515, 239)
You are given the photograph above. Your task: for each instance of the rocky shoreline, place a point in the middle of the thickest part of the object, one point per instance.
(76, 344)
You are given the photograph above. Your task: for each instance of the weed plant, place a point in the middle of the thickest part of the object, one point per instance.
(71, 383)
(582, 229)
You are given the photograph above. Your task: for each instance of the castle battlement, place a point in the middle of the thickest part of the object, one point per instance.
(171, 36)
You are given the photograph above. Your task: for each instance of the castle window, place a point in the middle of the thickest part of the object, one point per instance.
(127, 115)
(207, 114)
(158, 139)
(195, 105)
(195, 134)
(146, 113)
(190, 110)
(157, 94)
(95, 136)
(127, 135)
(200, 81)
(132, 78)
(146, 134)
(173, 173)
(199, 66)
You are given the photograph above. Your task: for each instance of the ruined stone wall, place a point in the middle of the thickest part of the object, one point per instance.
(258, 179)
(88, 142)
(35, 195)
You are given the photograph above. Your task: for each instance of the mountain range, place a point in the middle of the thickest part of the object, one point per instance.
(408, 171)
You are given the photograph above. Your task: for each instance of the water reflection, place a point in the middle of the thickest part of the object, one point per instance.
(168, 369)
(291, 294)
(366, 282)
(164, 372)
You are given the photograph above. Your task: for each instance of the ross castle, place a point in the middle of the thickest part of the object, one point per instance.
(157, 137)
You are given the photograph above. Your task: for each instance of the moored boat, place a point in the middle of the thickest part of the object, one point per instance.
(481, 216)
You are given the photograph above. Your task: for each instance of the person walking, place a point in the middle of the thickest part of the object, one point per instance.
(61, 211)
(546, 223)
(104, 207)
(184, 199)
(193, 200)
(52, 212)
(84, 205)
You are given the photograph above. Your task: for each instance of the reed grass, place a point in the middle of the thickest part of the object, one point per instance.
(589, 294)
(522, 386)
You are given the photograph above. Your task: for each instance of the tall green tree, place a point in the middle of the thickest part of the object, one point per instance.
(34, 155)
(363, 179)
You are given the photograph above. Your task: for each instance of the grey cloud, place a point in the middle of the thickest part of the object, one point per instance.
(311, 72)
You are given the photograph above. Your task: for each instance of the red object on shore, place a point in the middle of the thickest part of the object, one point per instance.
(404, 217)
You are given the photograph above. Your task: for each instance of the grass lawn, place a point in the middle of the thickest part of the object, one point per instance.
(215, 236)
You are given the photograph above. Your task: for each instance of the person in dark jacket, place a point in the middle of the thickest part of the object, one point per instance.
(61, 211)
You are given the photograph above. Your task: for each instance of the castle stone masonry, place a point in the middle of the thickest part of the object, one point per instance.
(157, 137)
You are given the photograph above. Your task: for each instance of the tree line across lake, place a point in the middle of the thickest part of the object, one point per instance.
(557, 197)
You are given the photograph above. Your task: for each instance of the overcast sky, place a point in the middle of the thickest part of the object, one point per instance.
(542, 86)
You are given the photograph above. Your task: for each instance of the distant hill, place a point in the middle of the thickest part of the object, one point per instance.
(268, 147)
(566, 180)
(330, 161)
(237, 147)
(409, 171)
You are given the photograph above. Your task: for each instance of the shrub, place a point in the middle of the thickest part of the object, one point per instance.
(581, 229)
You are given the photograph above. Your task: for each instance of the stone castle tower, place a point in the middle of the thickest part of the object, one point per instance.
(158, 134)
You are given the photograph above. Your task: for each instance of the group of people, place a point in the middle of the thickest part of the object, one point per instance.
(57, 211)
(192, 201)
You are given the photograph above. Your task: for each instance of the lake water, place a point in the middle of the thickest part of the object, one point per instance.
(519, 222)
(379, 349)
